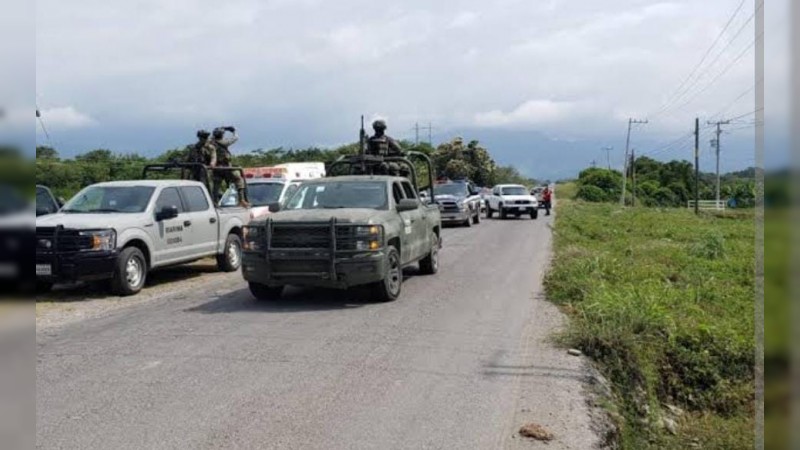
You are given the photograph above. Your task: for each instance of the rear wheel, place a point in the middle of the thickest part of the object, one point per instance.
(264, 292)
(130, 272)
(231, 257)
(429, 265)
(389, 288)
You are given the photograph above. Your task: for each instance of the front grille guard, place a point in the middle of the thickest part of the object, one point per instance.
(331, 257)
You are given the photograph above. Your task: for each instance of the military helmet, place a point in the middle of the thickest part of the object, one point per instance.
(219, 133)
(203, 134)
(379, 125)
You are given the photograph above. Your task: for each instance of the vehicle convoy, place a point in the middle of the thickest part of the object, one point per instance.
(512, 199)
(459, 202)
(121, 230)
(358, 228)
(46, 202)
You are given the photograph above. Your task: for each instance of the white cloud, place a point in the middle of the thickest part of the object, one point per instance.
(464, 19)
(532, 112)
(66, 118)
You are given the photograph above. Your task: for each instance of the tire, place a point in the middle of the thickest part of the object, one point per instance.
(503, 214)
(488, 212)
(534, 213)
(429, 265)
(477, 219)
(43, 287)
(389, 288)
(263, 292)
(468, 223)
(130, 272)
(231, 258)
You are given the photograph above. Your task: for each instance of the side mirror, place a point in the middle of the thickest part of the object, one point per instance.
(60, 201)
(407, 204)
(166, 213)
(274, 207)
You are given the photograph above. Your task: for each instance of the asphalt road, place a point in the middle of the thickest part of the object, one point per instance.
(460, 361)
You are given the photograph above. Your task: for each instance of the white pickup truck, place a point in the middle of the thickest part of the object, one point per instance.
(512, 199)
(121, 230)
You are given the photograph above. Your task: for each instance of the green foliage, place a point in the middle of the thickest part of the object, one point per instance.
(662, 300)
(668, 184)
(592, 194)
(44, 152)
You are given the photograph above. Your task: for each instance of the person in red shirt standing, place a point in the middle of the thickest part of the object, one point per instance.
(546, 197)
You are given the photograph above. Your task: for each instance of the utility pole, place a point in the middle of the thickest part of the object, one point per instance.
(633, 177)
(625, 160)
(697, 165)
(416, 129)
(716, 143)
(608, 155)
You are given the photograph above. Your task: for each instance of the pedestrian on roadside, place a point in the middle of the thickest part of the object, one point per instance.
(546, 197)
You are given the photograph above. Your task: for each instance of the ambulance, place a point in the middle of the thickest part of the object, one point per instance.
(273, 184)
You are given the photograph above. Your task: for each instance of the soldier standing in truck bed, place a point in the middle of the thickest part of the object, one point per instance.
(202, 152)
(224, 157)
(380, 144)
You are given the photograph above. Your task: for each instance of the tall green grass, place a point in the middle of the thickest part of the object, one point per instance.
(663, 301)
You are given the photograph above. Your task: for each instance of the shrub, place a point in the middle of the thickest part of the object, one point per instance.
(592, 194)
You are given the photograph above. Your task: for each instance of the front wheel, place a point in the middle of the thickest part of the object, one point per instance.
(429, 265)
(488, 211)
(231, 257)
(264, 292)
(389, 288)
(503, 214)
(477, 219)
(534, 213)
(130, 272)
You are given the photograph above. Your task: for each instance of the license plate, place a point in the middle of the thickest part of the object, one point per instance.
(522, 208)
(43, 270)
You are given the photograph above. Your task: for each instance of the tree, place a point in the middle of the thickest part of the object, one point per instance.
(45, 152)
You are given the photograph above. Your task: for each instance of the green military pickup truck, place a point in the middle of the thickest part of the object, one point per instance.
(341, 232)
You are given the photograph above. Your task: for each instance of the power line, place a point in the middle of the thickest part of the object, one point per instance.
(705, 56)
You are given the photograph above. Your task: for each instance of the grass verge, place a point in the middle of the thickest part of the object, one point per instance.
(662, 300)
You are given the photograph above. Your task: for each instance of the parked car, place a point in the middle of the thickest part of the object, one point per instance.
(512, 199)
(459, 202)
(46, 202)
(124, 229)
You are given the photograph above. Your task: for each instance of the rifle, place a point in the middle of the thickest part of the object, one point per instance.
(362, 138)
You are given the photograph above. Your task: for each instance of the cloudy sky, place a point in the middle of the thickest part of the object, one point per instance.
(544, 84)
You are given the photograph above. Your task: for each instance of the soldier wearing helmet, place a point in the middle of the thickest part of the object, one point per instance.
(201, 152)
(381, 144)
(224, 156)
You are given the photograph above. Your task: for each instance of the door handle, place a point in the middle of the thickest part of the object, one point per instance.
(187, 223)
(212, 220)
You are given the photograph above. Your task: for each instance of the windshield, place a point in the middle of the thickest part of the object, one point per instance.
(514, 190)
(343, 194)
(458, 190)
(107, 199)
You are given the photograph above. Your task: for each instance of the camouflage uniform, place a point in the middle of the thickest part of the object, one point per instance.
(223, 155)
(380, 144)
(202, 152)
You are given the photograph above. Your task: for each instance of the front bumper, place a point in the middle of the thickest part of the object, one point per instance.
(521, 209)
(456, 216)
(75, 266)
(304, 267)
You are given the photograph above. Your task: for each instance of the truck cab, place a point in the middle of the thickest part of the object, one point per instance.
(459, 202)
(121, 230)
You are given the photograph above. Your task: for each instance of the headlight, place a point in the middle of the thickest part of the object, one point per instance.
(252, 238)
(462, 205)
(367, 237)
(101, 240)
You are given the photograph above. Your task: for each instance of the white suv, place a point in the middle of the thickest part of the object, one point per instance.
(511, 199)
